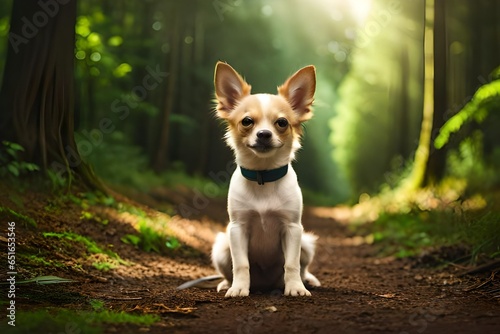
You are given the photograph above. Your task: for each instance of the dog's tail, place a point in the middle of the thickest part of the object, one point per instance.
(208, 282)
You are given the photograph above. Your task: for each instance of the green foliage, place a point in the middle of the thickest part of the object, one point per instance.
(96, 304)
(485, 100)
(152, 232)
(56, 180)
(326, 185)
(409, 233)
(5, 10)
(122, 163)
(104, 265)
(92, 247)
(379, 108)
(86, 215)
(88, 322)
(89, 199)
(172, 243)
(131, 239)
(111, 86)
(122, 317)
(43, 261)
(10, 164)
(18, 216)
(468, 162)
(90, 244)
(36, 260)
(51, 322)
(133, 210)
(483, 233)
(151, 240)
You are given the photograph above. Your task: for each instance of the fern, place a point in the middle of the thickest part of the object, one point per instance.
(486, 99)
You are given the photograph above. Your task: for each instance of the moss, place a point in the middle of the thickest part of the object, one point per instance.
(106, 260)
(39, 261)
(69, 321)
(18, 217)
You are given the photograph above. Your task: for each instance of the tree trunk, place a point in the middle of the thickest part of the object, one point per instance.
(37, 96)
(416, 178)
(436, 161)
(403, 148)
(161, 157)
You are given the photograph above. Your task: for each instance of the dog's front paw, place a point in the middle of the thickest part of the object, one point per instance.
(296, 289)
(237, 291)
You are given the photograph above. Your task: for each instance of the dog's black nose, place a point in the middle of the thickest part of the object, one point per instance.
(264, 134)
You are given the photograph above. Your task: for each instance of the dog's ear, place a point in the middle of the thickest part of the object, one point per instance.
(299, 90)
(230, 88)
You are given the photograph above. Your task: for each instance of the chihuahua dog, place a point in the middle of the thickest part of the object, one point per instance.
(264, 247)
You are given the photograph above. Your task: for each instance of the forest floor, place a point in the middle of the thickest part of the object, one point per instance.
(361, 292)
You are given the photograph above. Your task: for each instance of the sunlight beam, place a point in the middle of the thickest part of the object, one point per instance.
(360, 9)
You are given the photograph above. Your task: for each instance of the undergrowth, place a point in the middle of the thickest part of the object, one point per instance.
(109, 158)
(407, 234)
(423, 222)
(18, 216)
(102, 259)
(152, 233)
(60, 320)
(11, 165)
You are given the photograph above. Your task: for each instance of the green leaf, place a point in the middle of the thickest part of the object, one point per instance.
(131, 239)
(47, 280)
(477, 109)
(11, 152)
(13, 169)
(173, 243)
(15, 146)
(86, 215)
(32, 167)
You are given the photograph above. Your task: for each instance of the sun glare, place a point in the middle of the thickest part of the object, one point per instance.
(360, 9)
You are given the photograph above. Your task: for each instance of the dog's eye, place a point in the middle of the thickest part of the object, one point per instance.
(247, 121)
(282, 122)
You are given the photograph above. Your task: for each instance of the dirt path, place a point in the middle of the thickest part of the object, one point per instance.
(361, 292)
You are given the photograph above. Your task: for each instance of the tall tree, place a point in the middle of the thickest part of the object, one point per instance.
(437, 158)
(161, 156)
(37, 97)
(429, 167)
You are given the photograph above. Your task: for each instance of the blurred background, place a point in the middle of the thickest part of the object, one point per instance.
(385, 68)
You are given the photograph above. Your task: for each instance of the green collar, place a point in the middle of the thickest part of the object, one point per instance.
(262, 176)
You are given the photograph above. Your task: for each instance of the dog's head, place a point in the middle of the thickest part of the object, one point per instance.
(264, 129)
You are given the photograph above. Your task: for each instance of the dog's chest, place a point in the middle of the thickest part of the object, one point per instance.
(265, 230)
(282, 198)
(265, 211)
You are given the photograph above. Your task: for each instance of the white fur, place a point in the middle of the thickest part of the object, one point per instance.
(264, 246)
